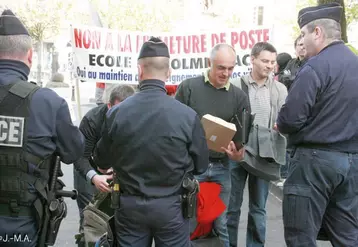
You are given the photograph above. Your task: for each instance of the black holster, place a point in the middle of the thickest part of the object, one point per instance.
(55, 209)
(115, 193)
(58, 211)
(189, 198)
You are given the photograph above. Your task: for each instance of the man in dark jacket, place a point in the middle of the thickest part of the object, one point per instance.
(35, 125)
(289, 73)
(282, 61)
(153, 142)
(320, 116)
(86, 174)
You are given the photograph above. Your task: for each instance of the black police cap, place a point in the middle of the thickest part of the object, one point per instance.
(154, 47)
(11, 25)
(325, 11)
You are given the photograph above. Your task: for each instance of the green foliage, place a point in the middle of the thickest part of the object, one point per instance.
(293, 22)
(351, 11)
(42, 18)
(352, 48)
(232, 21)
(138, 15)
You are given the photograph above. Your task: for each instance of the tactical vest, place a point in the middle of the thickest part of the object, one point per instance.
(22, 188)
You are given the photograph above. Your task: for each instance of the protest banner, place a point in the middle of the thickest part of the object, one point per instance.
(110, 56)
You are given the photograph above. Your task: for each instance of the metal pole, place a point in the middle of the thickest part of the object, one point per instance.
(78, 100)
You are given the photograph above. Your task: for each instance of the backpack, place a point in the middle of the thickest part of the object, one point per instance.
(96, 217)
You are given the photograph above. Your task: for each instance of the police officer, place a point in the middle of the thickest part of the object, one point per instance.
(35, 124)
(321, 115)
(152, 141)
(85, 174)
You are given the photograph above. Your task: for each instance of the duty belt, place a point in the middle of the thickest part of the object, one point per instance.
(11, 210)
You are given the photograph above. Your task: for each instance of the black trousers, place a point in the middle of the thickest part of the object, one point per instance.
(321, 190)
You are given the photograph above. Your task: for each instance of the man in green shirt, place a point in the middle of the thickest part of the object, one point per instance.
(213, 94)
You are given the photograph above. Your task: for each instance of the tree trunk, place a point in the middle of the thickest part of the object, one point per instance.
(343, 18)
(55, 64)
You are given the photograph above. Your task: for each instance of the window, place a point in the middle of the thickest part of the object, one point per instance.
(258, 15)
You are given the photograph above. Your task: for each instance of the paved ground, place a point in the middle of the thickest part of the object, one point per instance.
(69, 226)
(274, 220)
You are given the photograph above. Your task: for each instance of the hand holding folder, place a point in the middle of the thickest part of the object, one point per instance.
(243, 123)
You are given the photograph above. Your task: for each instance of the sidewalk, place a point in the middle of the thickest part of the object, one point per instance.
(276, 189)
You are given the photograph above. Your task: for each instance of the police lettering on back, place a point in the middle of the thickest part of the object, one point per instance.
(11, 131)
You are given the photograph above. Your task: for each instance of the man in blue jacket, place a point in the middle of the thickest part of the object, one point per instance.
(35, 125)
(320, 116)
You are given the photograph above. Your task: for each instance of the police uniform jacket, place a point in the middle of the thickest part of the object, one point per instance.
(321, 109)
(152, 141)
(44, 129)
(50, 129)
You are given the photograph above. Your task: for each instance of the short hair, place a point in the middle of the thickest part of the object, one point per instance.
(331, 28)
(282, 60)
(120, 93)
(298, 39)
(15, 46)
(218, 47)
(262, 46)
(155, 65)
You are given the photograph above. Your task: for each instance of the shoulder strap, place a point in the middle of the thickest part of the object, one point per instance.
(244, 87)
(273, 84)
(4, 91)
(23, 89)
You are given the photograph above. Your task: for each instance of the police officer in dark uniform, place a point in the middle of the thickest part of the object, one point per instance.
(320, 116)
(152, 141)
(86, 174)
(35, 125)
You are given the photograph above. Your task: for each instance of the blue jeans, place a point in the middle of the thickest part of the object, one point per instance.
(219, 173)
(258, 192)
(85, 193)
(321, 190)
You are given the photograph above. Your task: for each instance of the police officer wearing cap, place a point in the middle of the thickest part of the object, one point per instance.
(152, 141)
(35, 125)
(320, 116)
